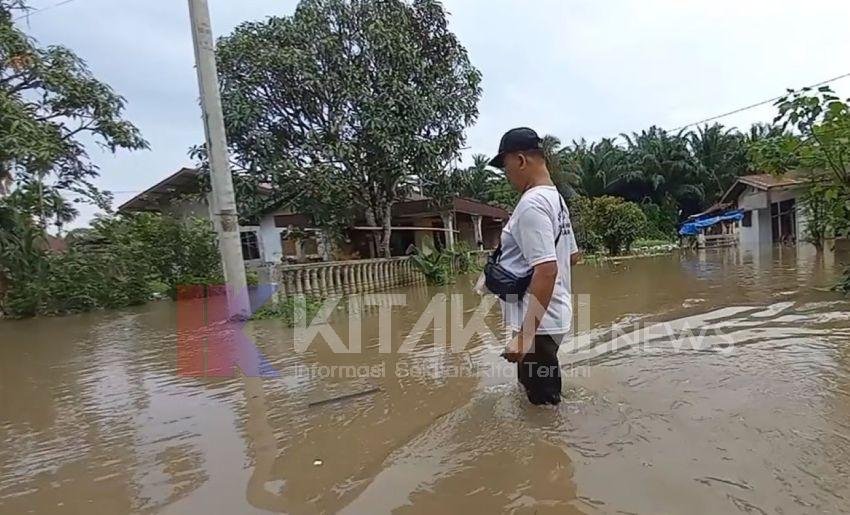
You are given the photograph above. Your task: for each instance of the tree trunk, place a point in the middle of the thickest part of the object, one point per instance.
(373, 236)
(386, 223)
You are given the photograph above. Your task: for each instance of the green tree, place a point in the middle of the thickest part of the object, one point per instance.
(374, 92)
(720, 157)
(120, 261)
(50, 104)
(606, 221)
(581, 216)
(593, 168)
(616, 223)
(478, 180)
(552, 153)
(812, 136)
(661, 167)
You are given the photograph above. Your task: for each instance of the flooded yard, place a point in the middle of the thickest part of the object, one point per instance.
(713, 382)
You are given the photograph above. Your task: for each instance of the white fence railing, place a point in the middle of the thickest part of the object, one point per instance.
(345, 277)
(349, 277)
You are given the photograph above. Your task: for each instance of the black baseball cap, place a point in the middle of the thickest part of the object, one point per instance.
(516, 140)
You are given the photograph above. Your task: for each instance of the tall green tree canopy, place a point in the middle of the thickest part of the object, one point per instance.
(49, 104)
(661, 168)
(593, 168)
(366, 94)
(811, 135)
(720, 157)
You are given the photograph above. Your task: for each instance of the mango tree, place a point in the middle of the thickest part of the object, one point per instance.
(362, 95)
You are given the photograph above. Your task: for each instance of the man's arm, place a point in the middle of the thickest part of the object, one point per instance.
(575, 257)
(540, 294)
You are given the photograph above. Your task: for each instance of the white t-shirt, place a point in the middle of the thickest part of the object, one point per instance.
(528, 239)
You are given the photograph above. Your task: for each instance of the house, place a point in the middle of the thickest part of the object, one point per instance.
(772, 211)
(281, 235)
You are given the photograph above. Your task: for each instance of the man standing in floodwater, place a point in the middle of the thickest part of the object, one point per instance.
(538, 240)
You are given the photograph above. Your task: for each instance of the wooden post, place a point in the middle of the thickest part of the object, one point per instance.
(448, 224)
(479, 236)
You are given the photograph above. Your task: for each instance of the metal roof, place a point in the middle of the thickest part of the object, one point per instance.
(183, 181)
(762, 181)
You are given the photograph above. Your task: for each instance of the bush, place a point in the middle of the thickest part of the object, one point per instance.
(121, 261)
(581, 217)
(608, 222)
(617, 222)
(435, 266)
(465, 261)
(175, 252)
(661, 222)
(290, 310)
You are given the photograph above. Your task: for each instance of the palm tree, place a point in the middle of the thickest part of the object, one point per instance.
(720, 156)
(557, 161)
(592, 169)
(551, 145)
(476, 181)
(762, 131)
(660, 167)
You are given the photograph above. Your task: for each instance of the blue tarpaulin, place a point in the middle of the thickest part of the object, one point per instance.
(693, 228)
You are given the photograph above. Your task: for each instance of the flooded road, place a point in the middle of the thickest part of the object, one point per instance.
(697, 383)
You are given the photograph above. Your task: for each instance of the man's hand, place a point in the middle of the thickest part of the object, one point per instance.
(575, 257)
(539, 295)
(516, 349)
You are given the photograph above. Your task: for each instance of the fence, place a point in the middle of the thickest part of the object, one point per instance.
(718, 240)
(349, 277)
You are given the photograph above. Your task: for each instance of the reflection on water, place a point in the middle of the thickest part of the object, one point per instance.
(754, 418)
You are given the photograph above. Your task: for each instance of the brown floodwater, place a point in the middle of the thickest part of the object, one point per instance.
(714, 382)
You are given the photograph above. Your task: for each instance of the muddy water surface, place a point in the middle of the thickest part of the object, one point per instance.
(701, 383)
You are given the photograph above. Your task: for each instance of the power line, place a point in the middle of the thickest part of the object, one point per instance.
(758, 104)
(36, 10)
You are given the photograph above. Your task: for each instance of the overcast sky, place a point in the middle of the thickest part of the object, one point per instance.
(572, 68)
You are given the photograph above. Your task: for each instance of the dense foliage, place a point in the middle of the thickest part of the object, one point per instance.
(435, 266)
(119, 262)
(51, 106)
(606, 222)
(440, 267)
(292, 310)
(347, 103)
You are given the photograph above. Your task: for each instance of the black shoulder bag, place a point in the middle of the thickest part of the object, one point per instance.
(504, 283)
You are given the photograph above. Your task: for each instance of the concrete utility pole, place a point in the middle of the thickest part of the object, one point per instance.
(223, 203)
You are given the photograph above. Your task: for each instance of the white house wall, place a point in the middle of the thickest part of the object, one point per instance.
(269, 235)
(752, 199)
(761, 233)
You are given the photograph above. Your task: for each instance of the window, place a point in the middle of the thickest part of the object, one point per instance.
(747, 221)
(250, 246)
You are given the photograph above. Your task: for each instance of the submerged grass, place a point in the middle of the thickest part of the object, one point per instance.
(293, 310)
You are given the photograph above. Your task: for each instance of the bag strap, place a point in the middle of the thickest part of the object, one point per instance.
(557, 238)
